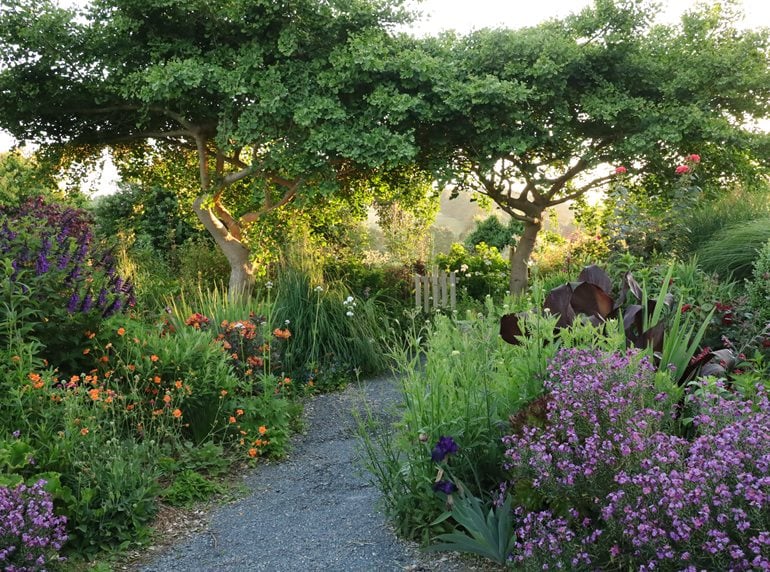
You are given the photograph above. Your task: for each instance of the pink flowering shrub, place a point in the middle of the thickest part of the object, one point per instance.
(615, 487)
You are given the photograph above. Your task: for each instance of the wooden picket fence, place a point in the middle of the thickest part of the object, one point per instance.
(438, 289)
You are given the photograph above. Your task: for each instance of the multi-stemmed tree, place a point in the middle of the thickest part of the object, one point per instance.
(251, 87)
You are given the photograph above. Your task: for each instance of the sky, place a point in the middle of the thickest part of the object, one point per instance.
(466, 15)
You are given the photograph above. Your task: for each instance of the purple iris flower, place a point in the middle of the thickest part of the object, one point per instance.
(446, 487)
(445, 446)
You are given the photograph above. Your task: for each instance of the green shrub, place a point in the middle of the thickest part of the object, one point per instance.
(479, 274)
(732, 250)
(189, 487)
(758, 288)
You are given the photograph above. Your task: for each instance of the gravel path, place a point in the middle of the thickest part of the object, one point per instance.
(314, 511)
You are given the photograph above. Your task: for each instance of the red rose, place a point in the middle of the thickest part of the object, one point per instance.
(621, 170)
(693, 158)
(682, 169)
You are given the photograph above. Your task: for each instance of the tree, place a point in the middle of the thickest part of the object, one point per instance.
(255, 89)
(528, 117)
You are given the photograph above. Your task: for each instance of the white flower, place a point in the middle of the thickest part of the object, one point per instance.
(349, 299)
(464, 268)
(455, 353)
(319, 288)
(349, 314)
(487, 262)
(268, 285)
(287, 322)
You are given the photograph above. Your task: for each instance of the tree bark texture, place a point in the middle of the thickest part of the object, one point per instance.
(520, 256)
(241, 281)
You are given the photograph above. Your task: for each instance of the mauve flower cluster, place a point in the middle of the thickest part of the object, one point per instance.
(616, 486)
(30, 534)
(54, 243)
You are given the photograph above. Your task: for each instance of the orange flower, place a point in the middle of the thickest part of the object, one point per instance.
(86, 351)
(74, 379)
(129, 407)
(223, 393)
(178, 384)
(252, 452)
(167, 398)
(157, 411)
(34, 377)
(231, 419)
(258, 442)
(121, 331)
(15, 359)
(84, 431)
(284, 334)
(153, 357)
(239, 412)
(177, 413)
(286, 380)
(108, 400)
(262, 429)
(105, 359)
(156, 379)
(131, 367)
(226, 345)
(93, 394)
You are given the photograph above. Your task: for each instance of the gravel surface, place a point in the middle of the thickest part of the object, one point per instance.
(313, 511)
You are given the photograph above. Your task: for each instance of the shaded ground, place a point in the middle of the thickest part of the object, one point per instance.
(314, 511)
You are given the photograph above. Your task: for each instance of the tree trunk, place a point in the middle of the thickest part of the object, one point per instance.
(520, 256)
(241, 281)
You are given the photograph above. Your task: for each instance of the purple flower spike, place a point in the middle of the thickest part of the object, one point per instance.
(445, 446)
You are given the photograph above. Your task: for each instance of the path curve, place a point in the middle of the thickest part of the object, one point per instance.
(314, 511)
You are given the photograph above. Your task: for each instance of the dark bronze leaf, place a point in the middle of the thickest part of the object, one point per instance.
(596, 276)
(558, 302)
(510, 329)
(591, 300)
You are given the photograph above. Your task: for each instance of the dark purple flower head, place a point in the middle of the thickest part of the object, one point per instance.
(445, 446)
(446, 487)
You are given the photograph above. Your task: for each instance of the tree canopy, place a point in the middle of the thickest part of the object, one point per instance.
(527, 116)
(253, 87)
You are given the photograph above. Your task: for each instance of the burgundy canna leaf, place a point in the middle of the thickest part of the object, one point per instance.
(558, 302)
(596, 276)
(510, 329)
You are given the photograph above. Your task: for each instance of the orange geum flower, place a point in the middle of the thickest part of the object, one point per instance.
(84, 431)
(284, 334)
(223, 393)
(131, 367)
(177, 413)
(258, 442)
(178, 384)
(86, 351)
(156, 379)
(93, 394)
(262, 429)
(286, 380)
(121, 331)
(157, 411)
(231, 419)
(105, 359)
(167, 398)
(15, 359)
(252, 452)
(34, 377)
(239, 412)
(74, 379)
(153, 357)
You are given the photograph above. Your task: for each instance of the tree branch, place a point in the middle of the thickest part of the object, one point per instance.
(290, 193)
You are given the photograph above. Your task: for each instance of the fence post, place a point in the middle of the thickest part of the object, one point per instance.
(452, 289)
(417, 291)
